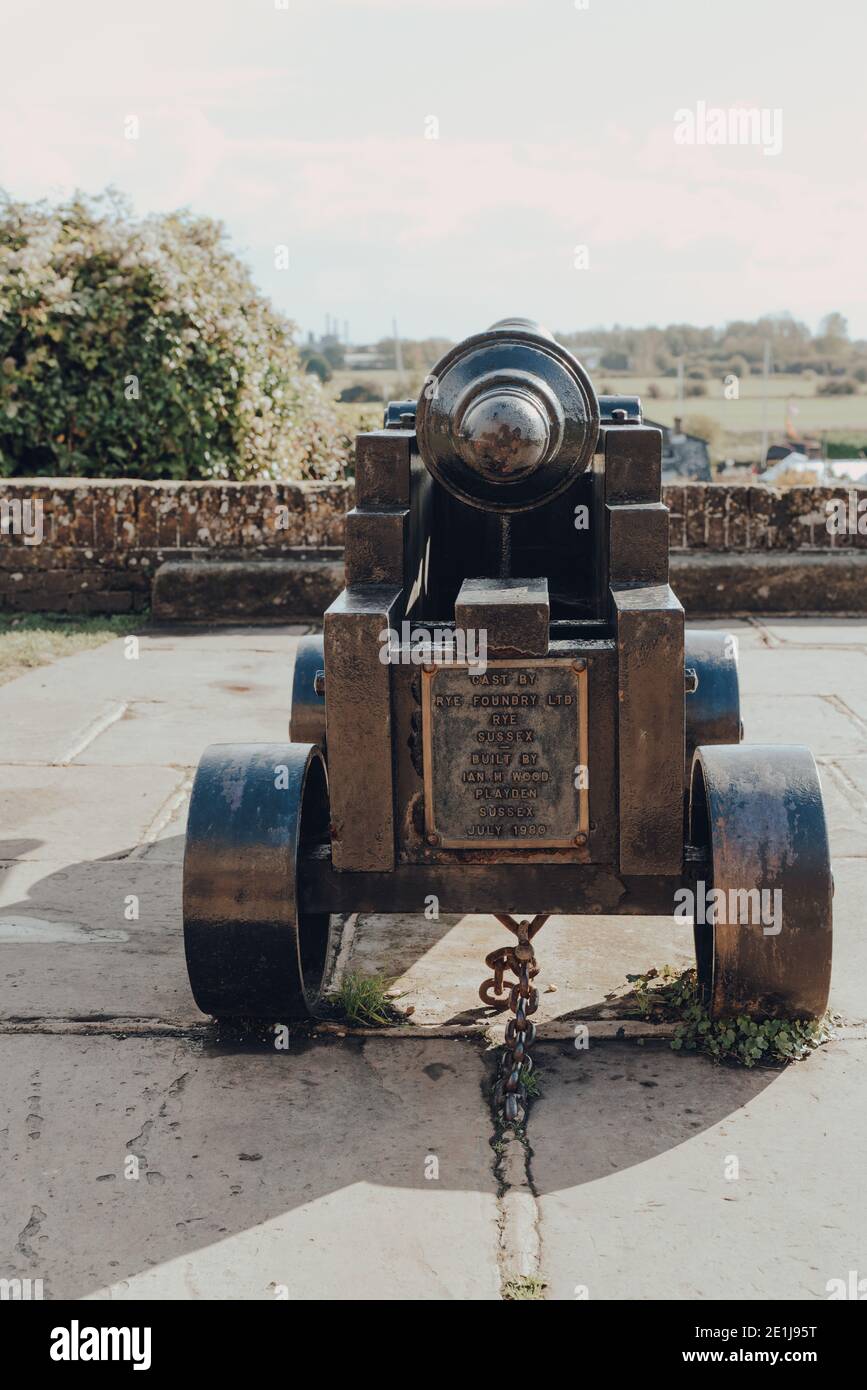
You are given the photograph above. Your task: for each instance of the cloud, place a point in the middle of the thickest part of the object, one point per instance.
(674, 231)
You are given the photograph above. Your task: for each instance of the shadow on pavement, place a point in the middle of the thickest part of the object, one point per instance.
(236, 1140)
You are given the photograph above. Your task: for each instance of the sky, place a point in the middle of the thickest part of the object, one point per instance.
(438, 162)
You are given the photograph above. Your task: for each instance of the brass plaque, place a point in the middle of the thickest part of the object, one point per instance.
(505, 754)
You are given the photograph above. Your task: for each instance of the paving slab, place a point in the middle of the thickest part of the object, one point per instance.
(42, 717)
(854, 700)
(825, 728)
(801, 671)
(439, 965)
(849, 968)
(852, 776)
(93, 941)
(340, 1171)
(633, 1149)
(99, 706)
(815, 632)
(845, 804)
(80, 813)
(155, 732)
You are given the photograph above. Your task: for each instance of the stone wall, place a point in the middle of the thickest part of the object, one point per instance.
(757, 550)
(725, 519)
(102, 542)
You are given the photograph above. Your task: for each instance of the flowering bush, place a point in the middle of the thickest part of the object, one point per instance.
(142, 349)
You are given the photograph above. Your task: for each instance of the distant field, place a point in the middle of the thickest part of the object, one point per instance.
(739, 422)
(815, 413)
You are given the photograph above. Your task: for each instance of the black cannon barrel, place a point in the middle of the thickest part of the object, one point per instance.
(520, 325)
(508, 418)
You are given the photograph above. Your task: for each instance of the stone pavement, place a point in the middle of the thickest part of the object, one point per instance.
(363, 1167)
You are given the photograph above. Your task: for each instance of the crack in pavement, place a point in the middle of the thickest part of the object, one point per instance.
(839, 704)
(848, 788)
(518, 1215)
(771, 640)
(163, 817)
(91, 732)
(133, 1026)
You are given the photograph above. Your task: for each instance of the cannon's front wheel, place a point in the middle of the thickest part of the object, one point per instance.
(763, 901)
(251, 951)
(307, 711)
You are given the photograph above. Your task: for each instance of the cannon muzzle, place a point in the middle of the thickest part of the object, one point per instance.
(508, 418)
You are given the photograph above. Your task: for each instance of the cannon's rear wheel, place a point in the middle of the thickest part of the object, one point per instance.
(251, 951)
(756, 811)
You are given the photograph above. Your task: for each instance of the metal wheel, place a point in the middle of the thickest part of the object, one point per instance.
(307, 714)
(757, 813)
(251, 952)
(713, 708)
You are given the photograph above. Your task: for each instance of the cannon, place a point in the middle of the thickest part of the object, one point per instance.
(504, 712)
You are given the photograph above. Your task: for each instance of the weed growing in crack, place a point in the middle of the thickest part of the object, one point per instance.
(666, 996)
(532, 1082)
(528, 1286)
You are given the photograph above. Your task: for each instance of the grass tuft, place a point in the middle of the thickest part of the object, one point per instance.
(363, 1000)
(29, 640)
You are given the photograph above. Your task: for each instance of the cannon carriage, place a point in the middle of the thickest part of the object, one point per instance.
(505, 711)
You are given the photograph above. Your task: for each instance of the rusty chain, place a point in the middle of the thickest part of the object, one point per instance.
(523, 999)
